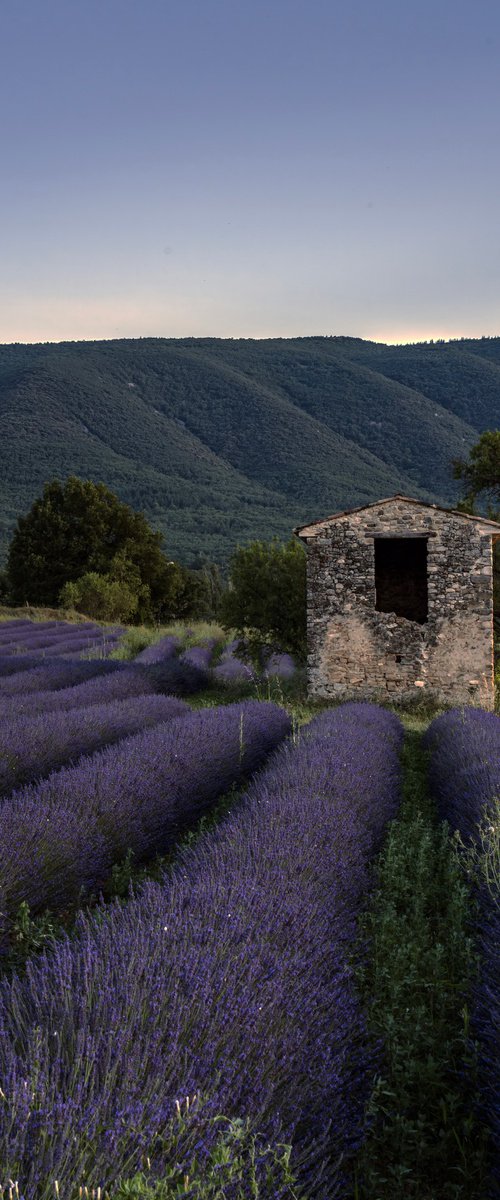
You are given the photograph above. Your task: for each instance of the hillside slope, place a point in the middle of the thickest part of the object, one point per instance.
(221, 441)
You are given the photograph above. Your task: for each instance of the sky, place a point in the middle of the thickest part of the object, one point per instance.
(249, 168)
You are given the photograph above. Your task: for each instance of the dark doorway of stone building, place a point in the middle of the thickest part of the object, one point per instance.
(401, 577)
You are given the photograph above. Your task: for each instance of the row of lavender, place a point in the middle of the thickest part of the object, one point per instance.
(230, 667)
(56, 637)
(38, 647)
(54, 710)
(465, 780)
(231, 979)
(60, 837)
(64, 639)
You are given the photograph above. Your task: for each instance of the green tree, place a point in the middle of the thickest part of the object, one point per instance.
(200, 592)
(4, 588)
(77, 527)
(101, 597)
(481, 477)
(266, 598)
(481, 472)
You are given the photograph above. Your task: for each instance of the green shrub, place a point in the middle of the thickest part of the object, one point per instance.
(266, 598)
(101, 597)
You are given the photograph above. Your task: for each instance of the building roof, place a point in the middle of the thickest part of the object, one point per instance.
(303, 530)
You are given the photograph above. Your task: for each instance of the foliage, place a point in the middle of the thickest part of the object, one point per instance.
(424, 1139)
(104, 598)
(481, 478)
(465, 778)
(239, 1165)
(134, 641)
(266, 599)
(481, 472)
(78, 527)
(30, 936)
(199, 593)
(226, 441)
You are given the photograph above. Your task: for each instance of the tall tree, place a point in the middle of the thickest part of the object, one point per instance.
(481, 476)
(481, 472)
(78, 527)
(266, 599)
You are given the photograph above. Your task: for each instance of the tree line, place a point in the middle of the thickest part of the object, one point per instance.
(81, 547)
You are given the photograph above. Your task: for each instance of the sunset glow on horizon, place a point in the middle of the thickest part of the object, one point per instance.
(215, 169)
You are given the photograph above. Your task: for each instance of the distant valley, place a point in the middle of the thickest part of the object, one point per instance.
(222, 441)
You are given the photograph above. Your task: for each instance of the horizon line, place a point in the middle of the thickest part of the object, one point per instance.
(419, 341)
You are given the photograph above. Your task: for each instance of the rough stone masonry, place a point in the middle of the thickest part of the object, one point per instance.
(400, 603)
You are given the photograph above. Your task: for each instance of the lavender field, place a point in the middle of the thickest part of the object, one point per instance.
(465, 780)
(215, 1030)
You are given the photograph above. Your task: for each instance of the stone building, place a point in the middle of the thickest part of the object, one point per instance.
(400, 603)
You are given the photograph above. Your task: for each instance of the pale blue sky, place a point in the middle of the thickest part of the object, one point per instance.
(228, 168)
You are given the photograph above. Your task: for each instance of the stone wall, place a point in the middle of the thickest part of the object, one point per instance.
(355, 650)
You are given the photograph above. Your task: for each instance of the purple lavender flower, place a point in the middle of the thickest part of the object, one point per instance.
(102, 682)
(31, 747)
(64, 834)
(13, 663)
(199, 656)
(232, 670)
(53, 674)
(57, 637)
(231, 979)
(176, 676)
(160, 651)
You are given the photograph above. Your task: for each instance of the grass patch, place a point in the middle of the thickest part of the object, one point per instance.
(139, 637)
(27, 612)
(425, 1141)
(241, 1165)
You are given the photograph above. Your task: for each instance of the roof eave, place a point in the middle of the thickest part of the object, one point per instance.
(300, 530)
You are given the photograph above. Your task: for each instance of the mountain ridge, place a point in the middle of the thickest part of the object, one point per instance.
(220, 441)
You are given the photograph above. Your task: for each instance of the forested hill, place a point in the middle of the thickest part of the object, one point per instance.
(221, 441)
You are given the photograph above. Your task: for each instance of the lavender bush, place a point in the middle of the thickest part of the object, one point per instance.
(40, 646)
(20, 629)
(232, 670)
(160, 651)
(61, 836)
(465, 766)
(16, 623)
(279, 665)
(199, 656)
(177, 676)
(105, 684)
(53, 675)
(31, 747)
(11, 664)
(57, 638)
(34, 631)
(465, 780)
(75, 646)
(231, 980)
